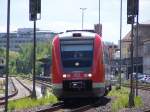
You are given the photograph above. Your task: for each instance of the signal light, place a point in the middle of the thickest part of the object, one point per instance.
(34, 9)
(130, 19)
(132, 7)
(38, 6)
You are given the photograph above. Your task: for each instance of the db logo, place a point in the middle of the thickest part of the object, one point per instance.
(76, 75)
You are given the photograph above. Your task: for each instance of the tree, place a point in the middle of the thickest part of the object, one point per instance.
(25, 59)
(2, 52)
(12, 62)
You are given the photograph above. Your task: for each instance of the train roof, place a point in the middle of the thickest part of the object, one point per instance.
(77, 34)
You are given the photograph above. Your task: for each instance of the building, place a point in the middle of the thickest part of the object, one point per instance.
(98, 29)
(144, 45)
(125, 46)
(23, 36)
(46, 66)
(142, 59)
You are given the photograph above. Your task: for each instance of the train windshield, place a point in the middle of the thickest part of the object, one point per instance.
(77, 55)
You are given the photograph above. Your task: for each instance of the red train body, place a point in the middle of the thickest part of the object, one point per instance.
(78, 68)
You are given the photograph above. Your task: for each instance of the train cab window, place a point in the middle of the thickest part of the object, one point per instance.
(77, 55)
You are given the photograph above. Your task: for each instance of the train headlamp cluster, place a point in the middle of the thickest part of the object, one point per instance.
(88, 75)
(68, 75)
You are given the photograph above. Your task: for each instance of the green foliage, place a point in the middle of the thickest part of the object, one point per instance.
(22, 62)
(117, 87)
(30, 103)
(121, 102)
(138, 101)
(122, 98)
(118, 92)
(43, 50)
(25, 60)
(2, 52)
(12, 59)
(12, 62)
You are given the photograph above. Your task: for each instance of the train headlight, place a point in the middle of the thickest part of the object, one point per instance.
(64, 75)
(89, 75)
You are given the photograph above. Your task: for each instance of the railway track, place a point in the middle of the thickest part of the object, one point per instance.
(140, 86)
(55, 107)
(63, 107)
(76, 105)
(46, 83)
(15, 93)
(80, 108)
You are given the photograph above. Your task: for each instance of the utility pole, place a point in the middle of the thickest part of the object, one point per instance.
(120, 43)
(137, 42)
(83, 9)
(100, 25)
(7, 55)
(99, 13)
(131, 95)
(34, 59)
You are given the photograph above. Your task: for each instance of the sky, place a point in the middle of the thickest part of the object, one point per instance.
(61, 15)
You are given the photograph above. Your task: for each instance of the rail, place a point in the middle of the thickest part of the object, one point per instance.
(2, 102)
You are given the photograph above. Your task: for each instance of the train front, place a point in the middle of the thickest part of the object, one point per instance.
(77, 65)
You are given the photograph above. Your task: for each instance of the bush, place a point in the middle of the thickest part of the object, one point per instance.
(122, 98)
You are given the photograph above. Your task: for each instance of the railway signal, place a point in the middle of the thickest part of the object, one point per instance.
(34, 11)
(132, 7)
(130, 19)
(132, 12)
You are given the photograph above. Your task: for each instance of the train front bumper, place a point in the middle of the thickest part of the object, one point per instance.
(97, 90)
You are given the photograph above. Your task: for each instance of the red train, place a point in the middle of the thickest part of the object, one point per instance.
(79, 65)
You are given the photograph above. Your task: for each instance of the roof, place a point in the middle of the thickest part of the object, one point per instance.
(127, 38)
(77, 34)
(146, 22)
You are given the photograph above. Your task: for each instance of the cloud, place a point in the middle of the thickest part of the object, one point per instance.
(63, 25)
(12, 28)
(2, 29)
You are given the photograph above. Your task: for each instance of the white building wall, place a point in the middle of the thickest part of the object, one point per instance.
(146, 58)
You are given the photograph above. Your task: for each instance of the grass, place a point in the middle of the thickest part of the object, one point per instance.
(2, 84)
(30, 103)
(121, 101)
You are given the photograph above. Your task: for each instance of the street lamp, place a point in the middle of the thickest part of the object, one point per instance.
(99, 11)
(83, 15)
